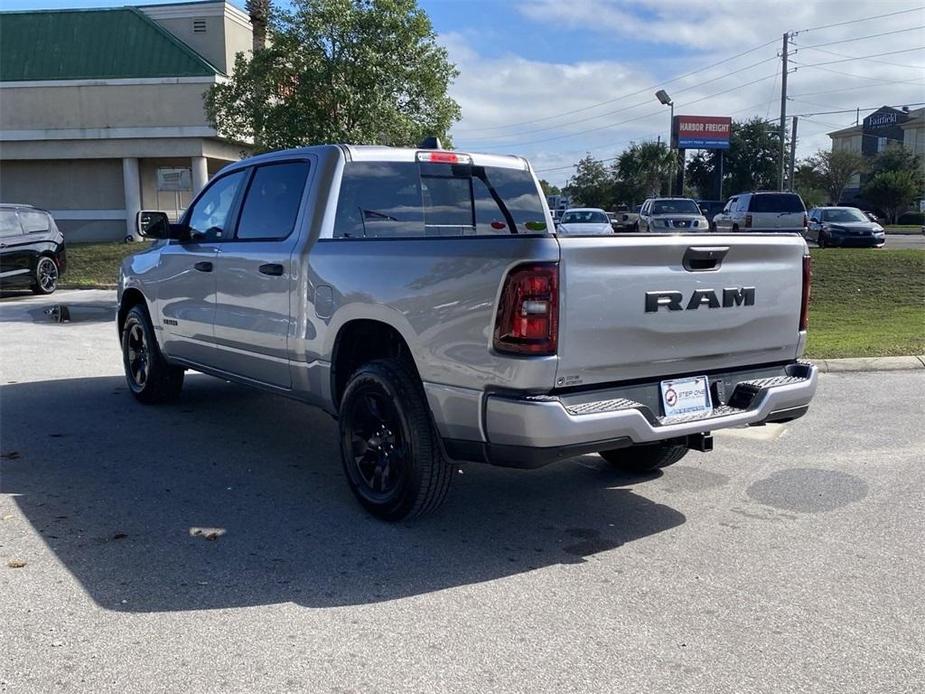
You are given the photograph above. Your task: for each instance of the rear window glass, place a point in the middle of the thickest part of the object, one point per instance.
(585, 217)
(675, 207)
(776, 202)
(407, 200)
(33, 221)
(272, 202)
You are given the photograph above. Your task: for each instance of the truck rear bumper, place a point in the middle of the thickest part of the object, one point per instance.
(529, 431)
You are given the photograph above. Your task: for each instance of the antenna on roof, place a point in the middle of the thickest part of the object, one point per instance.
(431, 142)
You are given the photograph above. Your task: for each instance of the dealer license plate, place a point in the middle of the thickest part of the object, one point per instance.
(686, 396)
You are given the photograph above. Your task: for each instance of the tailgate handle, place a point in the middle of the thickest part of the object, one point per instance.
(702, 258)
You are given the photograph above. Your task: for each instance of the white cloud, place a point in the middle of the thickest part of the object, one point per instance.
(547, 110)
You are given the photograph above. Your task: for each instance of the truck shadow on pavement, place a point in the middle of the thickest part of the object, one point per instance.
(231, 497)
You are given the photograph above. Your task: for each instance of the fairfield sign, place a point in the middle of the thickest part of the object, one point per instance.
(701, 132)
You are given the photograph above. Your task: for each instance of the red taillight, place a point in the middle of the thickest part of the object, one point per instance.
(748, 221)
(528, 313)
(807, 285)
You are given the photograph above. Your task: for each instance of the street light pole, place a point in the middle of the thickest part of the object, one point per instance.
(665, 100)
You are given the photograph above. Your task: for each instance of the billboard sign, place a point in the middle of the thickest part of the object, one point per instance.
(701, 132)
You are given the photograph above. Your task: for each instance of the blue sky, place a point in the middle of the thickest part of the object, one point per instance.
(553, 79)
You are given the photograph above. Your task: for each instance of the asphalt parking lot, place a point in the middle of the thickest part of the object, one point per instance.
(788, 560)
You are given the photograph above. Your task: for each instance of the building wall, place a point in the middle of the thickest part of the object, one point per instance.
(86, 197)
(36, 108)
(89, 184)
(227, 30)
(914, 139)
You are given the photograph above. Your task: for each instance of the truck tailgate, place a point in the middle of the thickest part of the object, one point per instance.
(635, 307)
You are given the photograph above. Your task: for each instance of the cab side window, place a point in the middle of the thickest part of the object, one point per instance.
(731, 205)
(9, 224)
(211, 215)
(272, 201)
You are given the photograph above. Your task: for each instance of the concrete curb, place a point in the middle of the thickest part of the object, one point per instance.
(869, 364)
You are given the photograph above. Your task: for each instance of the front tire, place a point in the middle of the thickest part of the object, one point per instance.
(389, 449)
(46, 276)
(644, 458)
(150, 378)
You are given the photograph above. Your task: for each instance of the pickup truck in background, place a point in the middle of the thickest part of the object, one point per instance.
(423, 299)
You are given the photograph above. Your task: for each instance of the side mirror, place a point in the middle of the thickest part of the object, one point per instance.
(151, 224)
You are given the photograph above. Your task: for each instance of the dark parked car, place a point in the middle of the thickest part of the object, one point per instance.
(31, 249)
(843, 226)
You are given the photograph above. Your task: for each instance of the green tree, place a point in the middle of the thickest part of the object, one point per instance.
(899, 158)
(549, 188)
(751, 162)
(809, 184)
(835, 170)
(648, 163)
(892, 191)
(352, 71)
(591, 184)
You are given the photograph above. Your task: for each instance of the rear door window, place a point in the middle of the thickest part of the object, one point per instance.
(408, 200)
(776, 202)
(9, 223)
(272, 201)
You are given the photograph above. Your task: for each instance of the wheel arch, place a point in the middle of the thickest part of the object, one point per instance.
(359, 341)
(131, 297)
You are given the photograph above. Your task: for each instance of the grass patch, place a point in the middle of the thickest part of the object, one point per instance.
(867, 303)
(903, 229)
(96, 265)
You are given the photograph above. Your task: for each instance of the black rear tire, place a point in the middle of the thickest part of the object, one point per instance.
(645, 457)
(389, 449)
(150, 378)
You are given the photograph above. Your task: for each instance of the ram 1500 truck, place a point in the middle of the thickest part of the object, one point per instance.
(423, 299)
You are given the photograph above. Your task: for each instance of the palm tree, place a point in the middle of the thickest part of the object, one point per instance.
(647, 164)
(259, 11)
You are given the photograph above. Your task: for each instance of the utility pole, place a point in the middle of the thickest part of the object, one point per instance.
(793, 150)
(783, 109)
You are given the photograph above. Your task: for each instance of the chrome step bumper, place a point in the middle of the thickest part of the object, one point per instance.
(547, 422)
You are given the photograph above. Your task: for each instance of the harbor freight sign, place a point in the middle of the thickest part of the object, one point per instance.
(701, 132)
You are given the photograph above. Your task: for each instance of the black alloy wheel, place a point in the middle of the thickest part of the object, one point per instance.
(377, 443)
(389, 449)
(46, 276)
(149, 376)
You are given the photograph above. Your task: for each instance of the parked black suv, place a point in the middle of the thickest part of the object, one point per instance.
(31, 249)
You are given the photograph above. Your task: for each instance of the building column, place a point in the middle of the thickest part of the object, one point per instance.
(131, 183)
(200, 174)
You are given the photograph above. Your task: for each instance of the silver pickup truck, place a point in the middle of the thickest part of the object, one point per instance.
(423, 299)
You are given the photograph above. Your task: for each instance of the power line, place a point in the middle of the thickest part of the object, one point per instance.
(862, 57)
(651, 114)
(854, 110)
(872, 60)
(854, 88)
(861, 38)
(862, 19)
(689, 103)
(625, 96)
(850, 74)
(625, 108)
